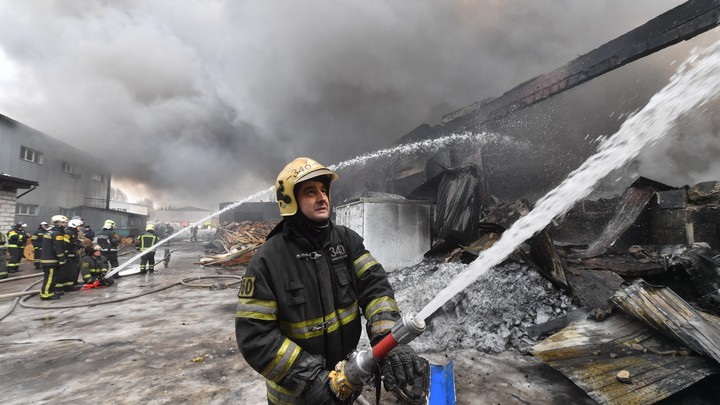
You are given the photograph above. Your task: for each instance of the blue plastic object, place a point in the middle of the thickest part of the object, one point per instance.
(442, 384)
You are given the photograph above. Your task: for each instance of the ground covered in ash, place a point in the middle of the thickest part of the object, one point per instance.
(490, 315)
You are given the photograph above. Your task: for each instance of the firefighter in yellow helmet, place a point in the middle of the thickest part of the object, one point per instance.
(304, 291)
(143, 243)
(109, 240)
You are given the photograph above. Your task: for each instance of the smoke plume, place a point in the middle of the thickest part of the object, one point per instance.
(199, 102)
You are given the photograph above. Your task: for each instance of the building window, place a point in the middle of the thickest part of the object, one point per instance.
(26, 209)
(69, 212)
(31, 155)
(98, 177)
(68, 168)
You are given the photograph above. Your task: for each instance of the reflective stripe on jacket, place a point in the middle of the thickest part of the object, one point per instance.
(53, 246)
(299, 308)
(146, 240)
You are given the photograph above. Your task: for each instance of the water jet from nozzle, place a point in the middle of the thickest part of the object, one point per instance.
(696, 82)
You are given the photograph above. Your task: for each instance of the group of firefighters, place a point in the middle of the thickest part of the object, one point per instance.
(65, 251)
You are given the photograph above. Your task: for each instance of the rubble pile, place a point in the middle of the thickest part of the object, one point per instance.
(493, 314)
(235, 243)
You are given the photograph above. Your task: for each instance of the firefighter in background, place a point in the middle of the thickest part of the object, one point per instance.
(17, 238)
(93, 267)
(143, 243)
(36, 240)
(88, 232)
(53, 257)
(3, 260)
(68, 278)
(303, 294)
(109, 240)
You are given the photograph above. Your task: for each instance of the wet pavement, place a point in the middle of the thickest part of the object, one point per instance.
(152, 339)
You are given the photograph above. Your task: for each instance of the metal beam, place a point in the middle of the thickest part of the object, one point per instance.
(679, 24)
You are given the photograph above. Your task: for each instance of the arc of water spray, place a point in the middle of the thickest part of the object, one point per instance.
(431, 144)
(696, 82)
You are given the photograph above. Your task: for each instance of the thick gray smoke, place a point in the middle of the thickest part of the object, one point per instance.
(201, 102)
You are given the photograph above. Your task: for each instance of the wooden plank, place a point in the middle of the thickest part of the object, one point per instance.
(591, 354)
(667, 312)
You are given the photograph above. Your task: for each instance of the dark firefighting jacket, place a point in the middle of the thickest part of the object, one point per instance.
(108, 240)
(146, 240)
(299, 308)
(36, 240)
(53, 248)
(16, 238)
(93, 268)
(73, 246)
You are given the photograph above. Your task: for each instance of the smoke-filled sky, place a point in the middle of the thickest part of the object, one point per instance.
(196, 102)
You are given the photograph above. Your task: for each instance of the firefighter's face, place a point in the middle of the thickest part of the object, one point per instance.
(313, 200)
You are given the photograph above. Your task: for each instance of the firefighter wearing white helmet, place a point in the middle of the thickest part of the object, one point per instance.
(109, 240)
(53, 257)
(17, 239)
(304, 291)
(143, 243)
(36, 239)
(69, 272)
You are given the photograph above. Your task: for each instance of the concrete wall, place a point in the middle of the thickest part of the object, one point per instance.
(396, 232)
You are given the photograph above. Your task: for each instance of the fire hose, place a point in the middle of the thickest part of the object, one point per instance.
(351, 374)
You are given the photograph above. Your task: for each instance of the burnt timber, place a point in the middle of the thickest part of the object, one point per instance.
(592, 353)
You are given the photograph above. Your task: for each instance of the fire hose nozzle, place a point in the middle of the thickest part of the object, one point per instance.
(408, 328)
(349, 375)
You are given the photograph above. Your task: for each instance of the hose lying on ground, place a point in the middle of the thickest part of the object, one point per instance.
(185, 282)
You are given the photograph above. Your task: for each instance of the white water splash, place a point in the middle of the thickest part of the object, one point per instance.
(421, 146)
(696, 82)
(430, 145)
(187, 229)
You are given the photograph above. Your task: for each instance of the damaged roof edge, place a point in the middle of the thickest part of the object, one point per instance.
(664, 310)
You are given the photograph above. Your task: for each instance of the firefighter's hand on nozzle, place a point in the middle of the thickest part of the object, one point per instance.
(401, 367)
(319, 391)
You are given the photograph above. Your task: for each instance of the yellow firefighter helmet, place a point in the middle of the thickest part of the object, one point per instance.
(295, 172)
(150, 227)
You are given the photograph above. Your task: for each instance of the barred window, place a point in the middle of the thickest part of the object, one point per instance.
(97, 177)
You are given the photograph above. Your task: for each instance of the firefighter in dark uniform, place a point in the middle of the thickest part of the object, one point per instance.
(109, 240)
(143, 243)
(17, 238)
(93, 267)
(53, 257)
(304, 291)
(3, 260)
(68, 278)
(36, 240)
